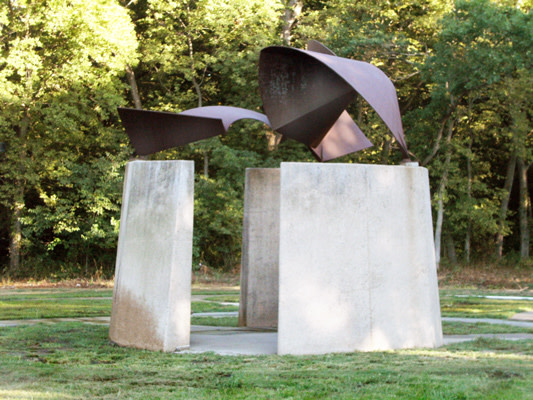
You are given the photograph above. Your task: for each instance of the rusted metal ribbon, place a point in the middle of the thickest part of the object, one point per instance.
(153, 131)
(305, 94)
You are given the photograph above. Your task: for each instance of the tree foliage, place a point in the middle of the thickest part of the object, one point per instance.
(462, 71)
(60, 83)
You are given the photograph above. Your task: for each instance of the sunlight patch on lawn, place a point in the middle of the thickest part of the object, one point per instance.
(466, 355)
(31, 394)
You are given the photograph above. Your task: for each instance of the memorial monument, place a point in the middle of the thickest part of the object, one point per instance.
(350, 264)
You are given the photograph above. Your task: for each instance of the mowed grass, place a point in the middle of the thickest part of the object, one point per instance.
(77, 361)
(479, 307)
(71, 303)
(46, 294)
(461, 328)
(210, 321)
(60, 303)
(53, 308)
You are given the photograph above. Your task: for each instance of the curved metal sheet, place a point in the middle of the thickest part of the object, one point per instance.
(301, 96)
(343, 138)
(306, 86)
(153, 131)
(374, 86)
(227, 114)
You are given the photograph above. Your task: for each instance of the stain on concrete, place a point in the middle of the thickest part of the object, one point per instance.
(133, 324)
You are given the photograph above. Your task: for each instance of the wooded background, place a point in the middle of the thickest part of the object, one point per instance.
(462, 71)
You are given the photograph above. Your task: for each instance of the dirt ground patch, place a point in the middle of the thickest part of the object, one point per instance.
(63, 284)
(487, 277)
(203, 279)
(477, 276)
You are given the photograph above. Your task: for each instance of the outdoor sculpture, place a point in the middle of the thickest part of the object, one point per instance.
(338, 257)
(305, 94)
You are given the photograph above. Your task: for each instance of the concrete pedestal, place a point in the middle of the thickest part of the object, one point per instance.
(152, 292)
(260, 245)
(356, 260)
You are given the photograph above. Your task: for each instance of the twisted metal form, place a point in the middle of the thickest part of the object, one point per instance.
(305, 94)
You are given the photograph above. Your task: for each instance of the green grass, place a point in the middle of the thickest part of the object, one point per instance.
(44, 294)
(53, 308)
(483, 292)
(50, 307)
(71, 303)
(477, 307)
(207, 306)
(225, 299)
(75, 361)
(460, 328)
(213, 292)
(210, 321)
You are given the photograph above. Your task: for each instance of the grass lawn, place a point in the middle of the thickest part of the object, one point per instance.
(210, 321)
(58, 303)
(77, 361)
(478, 307)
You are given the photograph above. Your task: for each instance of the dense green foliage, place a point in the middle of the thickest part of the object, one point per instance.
(462, 71)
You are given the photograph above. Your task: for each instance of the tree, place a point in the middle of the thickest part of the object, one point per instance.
(60, 67)
(481, 44)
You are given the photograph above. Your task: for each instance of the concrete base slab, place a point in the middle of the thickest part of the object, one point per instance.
(243, 341)
(232, 341)
(525, 316)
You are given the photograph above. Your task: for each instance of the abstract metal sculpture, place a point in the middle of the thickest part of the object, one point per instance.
(305, 94)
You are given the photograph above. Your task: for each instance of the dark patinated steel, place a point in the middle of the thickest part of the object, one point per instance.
(305, 94)
(153, 131)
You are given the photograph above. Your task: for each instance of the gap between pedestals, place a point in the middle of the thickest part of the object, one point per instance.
(232, 341)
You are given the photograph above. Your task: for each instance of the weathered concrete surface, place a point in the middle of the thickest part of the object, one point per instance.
(152, 292)
(260, 244)
(232, 341)
(525, 316)
(357, 263)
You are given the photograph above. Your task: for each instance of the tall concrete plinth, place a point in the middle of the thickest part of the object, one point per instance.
(152, 293)
(356, 260)
(260, 245)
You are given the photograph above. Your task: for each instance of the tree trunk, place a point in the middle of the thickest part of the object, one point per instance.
(15, 237)
(293, 9)
(440, 217)
(507, 187)
(206, 163)
(523, 208)
(442, 189)
(274, 139)
(130, 75)
(386, 151)
(450, 249)
(469, 198)
(15, 242)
